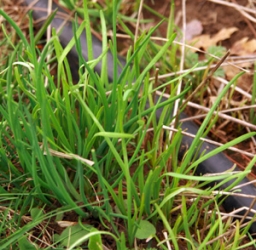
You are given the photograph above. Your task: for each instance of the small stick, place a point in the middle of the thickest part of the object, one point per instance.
(206, 79)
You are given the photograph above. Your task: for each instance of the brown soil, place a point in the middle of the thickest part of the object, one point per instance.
(213, 17)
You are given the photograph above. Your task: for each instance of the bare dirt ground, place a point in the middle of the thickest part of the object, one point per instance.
(214, 17)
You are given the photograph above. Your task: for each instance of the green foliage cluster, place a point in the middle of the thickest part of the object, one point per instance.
(69, 146)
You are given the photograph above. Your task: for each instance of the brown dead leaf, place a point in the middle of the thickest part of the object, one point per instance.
(244, 47)
(224, 34)
(206, 41)
(244, 82)
(230, 71)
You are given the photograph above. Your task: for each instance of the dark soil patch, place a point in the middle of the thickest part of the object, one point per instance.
(213, 17)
